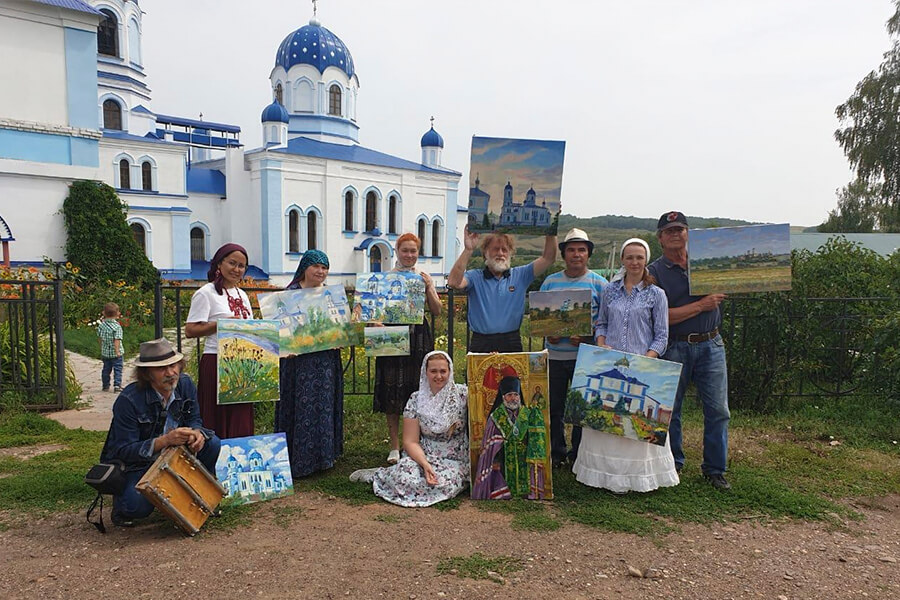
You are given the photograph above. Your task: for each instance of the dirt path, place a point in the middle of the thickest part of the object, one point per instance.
(96, 414)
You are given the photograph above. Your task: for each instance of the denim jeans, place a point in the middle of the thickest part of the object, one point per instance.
(703, 363)
(114, 365)
(561, 372)
(130, 504)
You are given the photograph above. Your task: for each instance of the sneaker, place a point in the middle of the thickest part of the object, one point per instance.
(678, 469)
(393, 457)
(559, 463)
(106, 389)
(364, 475)
(118, 388)
(718, 481)
(120, 521)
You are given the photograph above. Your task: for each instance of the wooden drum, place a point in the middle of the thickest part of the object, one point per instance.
(181, 488)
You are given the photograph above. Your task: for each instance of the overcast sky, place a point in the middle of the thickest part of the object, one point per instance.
(713, 107)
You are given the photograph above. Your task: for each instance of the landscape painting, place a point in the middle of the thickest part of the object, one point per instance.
(395, 298)
(247, 367)
(737, 260)
(515, 186)
(562, 313)
(254, 468)
(387, 341)
(509, 435)
(623, 394)
(311, 319)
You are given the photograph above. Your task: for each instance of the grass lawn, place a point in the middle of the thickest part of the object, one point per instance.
(84, 340)
(783, 465)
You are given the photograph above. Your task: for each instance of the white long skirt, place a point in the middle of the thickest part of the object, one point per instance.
(620, 464)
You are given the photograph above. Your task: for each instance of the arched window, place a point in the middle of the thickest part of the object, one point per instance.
(312, 230)
(134, 42)
(146, 176)
(371, 211)
(112, 114)
(294, 231)
(375, 259)
(140, 236)
(348, 211)
(334, 100)
(124, 174)
(421, 233)
(436, 238)
(279, 93)
(392, 214)
(108, 34)
(198, 243)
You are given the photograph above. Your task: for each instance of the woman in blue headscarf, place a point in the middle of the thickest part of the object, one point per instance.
(310, 411)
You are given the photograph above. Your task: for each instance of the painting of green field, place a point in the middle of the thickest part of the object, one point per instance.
(739, 260)
(247, 365)
(562, 313)
(310, 319)
(387, 341)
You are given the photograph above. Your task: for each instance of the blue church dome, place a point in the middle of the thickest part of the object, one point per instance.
(432, 138)
(316, 46)
(275, 112)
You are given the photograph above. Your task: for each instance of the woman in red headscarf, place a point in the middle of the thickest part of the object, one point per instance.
(221, 298)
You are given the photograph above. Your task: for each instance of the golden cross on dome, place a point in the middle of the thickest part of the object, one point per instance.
(432, 121)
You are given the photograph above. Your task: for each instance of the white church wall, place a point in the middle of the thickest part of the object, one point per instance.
(169, 166)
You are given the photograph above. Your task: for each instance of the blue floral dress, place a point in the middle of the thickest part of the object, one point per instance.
(404, 483)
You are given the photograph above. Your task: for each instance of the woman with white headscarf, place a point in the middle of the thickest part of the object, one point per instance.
(634, 317)
(434, 465)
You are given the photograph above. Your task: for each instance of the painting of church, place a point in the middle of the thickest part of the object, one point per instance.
(255, 468)
(395, 297)
(75, 105)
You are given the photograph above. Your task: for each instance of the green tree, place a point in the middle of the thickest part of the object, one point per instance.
(856, 211)
(870, 132)
(99, 239)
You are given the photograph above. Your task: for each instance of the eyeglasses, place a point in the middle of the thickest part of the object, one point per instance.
(235, 265)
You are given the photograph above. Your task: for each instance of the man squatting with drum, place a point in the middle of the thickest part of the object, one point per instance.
(158, 410)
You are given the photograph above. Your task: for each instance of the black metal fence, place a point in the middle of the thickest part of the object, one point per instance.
(32, 357)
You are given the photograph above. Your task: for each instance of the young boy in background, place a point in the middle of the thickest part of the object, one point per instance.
(109, 332)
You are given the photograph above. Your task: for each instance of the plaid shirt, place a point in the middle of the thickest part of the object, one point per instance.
(108, 331)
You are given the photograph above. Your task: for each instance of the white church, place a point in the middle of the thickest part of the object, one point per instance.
(75, 104)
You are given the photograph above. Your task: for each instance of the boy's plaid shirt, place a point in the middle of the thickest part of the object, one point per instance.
(108, 331)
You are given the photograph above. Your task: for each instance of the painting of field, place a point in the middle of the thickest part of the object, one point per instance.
(515, 186)
(254, 468)
(396, 298)
(737, 260)
(247, 365)
(623, 394)
(311, 319)
(387, 341)
(562, 313)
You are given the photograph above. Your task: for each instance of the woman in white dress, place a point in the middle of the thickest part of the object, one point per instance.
(634, 317)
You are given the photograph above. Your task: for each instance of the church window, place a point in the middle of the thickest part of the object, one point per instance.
(124, 174)
(312, 231)
(392, 214)
(140, 236)
(294, 231)
(371, 211)
(108, 34)
(279, 93)
(146, 176)
(334, 100)
(112, 114)
(198, 244)
(436, 238)
(348, 211)
(421, 233)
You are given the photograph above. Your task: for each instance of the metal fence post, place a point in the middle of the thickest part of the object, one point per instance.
(60, 348)
(158, 307)
(450, 311)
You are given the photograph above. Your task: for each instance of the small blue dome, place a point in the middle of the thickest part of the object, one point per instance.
(432, 138)
(275, 112)
(316, 46)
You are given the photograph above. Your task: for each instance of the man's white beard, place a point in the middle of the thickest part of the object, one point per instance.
(497, 265)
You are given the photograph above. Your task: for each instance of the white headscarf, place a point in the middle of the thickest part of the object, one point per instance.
(437, 413)
(620, 274)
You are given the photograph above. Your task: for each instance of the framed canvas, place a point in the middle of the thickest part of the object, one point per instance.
(255, 468)
(562, 313)
(387, 341)
(247, 365)
(310, 319)
(391, 298)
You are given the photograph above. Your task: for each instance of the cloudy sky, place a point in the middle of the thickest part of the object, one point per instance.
(717, 108)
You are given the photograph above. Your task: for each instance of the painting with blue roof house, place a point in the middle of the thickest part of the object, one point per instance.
(310, 319)
(395, 298)
(255, 468)
(623, 394)
(515, 186)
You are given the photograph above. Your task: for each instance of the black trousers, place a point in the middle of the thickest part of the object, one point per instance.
(561, 372)
(510, 341)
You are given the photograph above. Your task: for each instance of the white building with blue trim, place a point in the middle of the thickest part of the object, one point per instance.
(75, 104)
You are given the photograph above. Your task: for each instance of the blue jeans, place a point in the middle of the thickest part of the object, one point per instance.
(130, 504)
(561, 372)
(114, 365)
(703, 363)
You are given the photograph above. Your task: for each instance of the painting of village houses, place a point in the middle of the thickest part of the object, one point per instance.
(736, 260)
(254, 468)
(561, 313)
(310, 319)
(509, 434)
(395, 298)
(515, 185)
(624, 394)
(247, 368)
(387, 341)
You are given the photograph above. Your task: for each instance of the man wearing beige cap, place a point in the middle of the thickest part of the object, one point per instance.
(576, 249)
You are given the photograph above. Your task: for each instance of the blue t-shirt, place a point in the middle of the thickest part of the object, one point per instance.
(674, 282)
(496, 305)
(558, 281)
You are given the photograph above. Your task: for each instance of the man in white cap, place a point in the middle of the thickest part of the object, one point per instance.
(158, 410)
(576, 249)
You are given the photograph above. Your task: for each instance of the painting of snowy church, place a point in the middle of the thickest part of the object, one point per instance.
(503, 169)
(310, 319)
(255, 468)
(623, 394)
(394, 297)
